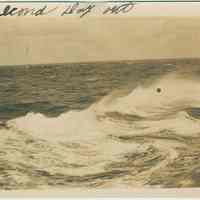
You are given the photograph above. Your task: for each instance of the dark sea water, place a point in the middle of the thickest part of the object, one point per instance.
(55, 89)
(105, 125)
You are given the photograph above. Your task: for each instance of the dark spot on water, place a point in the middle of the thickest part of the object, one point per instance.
(158, 90)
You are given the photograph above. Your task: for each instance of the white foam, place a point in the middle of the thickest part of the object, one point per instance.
(70, 126)
(84, 126)
(146, 101)
(179, 124)
(98, 142)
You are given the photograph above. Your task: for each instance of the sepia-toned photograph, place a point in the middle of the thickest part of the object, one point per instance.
(99, 103)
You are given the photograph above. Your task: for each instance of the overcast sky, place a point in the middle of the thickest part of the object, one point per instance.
(56, 40)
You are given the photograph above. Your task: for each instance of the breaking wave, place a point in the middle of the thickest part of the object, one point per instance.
(146, 138)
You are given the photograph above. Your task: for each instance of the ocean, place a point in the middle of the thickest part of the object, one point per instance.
(124, 124)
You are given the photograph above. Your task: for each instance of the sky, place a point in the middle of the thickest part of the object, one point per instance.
(36, 40)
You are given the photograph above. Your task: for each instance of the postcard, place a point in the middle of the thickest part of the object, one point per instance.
(97, 98)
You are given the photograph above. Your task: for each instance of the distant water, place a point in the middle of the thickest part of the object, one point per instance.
(104, 125)
(55, 89)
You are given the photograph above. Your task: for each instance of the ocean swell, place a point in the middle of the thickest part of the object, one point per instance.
(139, 140)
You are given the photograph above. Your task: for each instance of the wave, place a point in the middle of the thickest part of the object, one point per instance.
(174, 94)
(146, 126)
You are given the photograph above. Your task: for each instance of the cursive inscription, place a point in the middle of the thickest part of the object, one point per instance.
(78, 8)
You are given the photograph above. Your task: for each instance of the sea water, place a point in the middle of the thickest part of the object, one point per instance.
(100, 125)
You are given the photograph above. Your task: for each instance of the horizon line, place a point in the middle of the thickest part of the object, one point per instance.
(105, 61)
